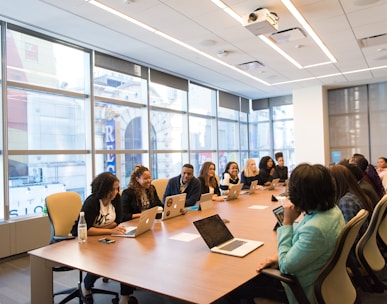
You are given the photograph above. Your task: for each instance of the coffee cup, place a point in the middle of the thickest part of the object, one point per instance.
(159, 214)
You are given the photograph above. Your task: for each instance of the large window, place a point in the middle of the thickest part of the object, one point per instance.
(47, 122)
(202, 125)
(120, 117)
(168, 119)
(271, 129)
(72, 113)
(357, 121)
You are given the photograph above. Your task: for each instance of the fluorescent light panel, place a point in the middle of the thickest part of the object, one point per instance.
(292, 9)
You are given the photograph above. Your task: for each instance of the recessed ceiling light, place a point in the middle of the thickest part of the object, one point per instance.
(208, 42)
(251, 65)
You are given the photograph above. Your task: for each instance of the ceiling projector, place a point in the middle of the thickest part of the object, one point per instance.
(261, 22)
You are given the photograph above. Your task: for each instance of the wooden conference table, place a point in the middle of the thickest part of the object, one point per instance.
(154, 261)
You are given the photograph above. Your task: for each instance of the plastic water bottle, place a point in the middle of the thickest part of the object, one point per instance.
(82, 228)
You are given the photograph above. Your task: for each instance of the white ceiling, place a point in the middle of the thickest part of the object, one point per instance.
(339, 23)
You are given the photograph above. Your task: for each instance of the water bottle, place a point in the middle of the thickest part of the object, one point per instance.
(82, 228)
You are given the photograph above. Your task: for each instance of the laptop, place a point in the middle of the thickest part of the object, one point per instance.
(205, 201)
(174, 205)
(220, 240)
(252, 189)
(145, 223)
(274, 183)
(233, 192)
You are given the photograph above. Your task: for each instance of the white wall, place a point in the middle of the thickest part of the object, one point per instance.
(311, 130)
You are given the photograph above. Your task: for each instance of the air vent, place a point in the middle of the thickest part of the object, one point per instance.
(288, 35)
(251, 65)
(373, 40)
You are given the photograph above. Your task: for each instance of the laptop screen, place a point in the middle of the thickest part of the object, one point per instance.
(213, 230)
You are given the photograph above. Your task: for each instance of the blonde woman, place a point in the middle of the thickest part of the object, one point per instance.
(250, 173)
(209, 183)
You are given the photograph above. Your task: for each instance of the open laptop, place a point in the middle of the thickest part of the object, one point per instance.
(252, 189)
(145, 223)
(233, 192)
(274, 183)
(174, 206)
(205, 201)
(220, 240)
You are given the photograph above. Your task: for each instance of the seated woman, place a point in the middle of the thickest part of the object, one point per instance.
(209, 183)
(382, 167)
(103, 214)
(370, 174)
(140, 194)
(349, 196)
(280, 170)
(302, 250)
(365, 186)
(266, 170)
(230, 175)
(249, 173)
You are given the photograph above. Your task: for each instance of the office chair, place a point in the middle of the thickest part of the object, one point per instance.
(63, 210)
(333, 284)
(160, 185)
(368, 250)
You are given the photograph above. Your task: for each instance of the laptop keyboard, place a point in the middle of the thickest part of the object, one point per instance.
(231, 246)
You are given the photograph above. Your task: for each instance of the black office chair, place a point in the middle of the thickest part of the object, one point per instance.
(63, 210)
(333, 284)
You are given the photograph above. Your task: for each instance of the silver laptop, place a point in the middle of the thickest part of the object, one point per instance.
(220, 240)
(274, 183)
(252, 189)
(233, 192)
(174, 206)
(145, 223)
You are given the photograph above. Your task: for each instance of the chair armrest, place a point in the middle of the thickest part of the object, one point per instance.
(290, 280)
(60, 238)
(276, 274)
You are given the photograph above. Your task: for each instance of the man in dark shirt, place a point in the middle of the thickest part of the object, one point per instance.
(186, 182)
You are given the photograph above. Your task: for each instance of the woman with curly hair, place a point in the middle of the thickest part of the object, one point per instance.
(140, 194)
(103, 215)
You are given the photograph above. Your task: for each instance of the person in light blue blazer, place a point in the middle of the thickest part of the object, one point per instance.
(303, 249)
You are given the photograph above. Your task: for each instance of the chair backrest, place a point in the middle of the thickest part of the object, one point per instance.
(63, 210)
(333, 284)
(382, 231)
(367, 250)
(160, 185)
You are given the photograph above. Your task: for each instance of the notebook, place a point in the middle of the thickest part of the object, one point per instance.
(252, 189)
(174, 206)
(220, 240)
(145, 223)
(233, 192)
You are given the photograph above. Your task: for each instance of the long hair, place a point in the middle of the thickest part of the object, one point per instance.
(209, 181)
(372, 174)
(263, 163)
(311, 187)
(345, 182)
(135, 185)
(103, 184)
(247, 169)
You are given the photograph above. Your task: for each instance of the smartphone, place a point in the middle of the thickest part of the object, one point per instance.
(279, 214)
(106, 241)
